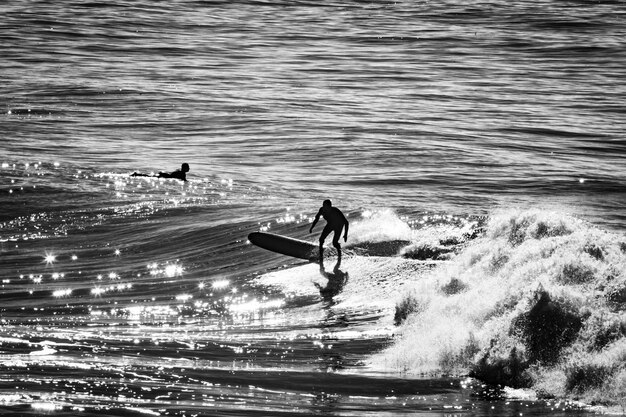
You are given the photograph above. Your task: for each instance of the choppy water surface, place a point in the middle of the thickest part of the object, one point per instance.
(477, 149)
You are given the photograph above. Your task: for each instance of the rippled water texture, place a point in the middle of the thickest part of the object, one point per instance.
(434, 126)
(445, 104)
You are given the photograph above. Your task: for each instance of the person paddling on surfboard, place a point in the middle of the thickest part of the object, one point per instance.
(335, 221)
(179, 174)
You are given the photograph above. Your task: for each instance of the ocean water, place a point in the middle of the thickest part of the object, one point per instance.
(478, 150)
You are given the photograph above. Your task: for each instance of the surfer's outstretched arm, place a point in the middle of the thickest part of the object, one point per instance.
(317, 218)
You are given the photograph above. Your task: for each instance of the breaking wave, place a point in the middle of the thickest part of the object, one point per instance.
(537, 301)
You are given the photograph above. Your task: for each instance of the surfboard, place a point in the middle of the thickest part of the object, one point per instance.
(285, 245)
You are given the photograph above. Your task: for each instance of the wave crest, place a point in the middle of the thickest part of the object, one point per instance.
(525, 305)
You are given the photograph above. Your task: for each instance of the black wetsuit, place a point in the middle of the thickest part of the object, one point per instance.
(178, 174)
(335, 221)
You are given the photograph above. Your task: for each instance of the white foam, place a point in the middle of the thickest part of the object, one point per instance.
(498, 276)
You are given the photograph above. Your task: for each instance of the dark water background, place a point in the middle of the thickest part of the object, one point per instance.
(420, 120)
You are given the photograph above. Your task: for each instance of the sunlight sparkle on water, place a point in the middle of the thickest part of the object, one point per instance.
(256, 305)
(170, 270)
(62, 293)
(50, 258)
(45, 407)
(98, 291)
(221, 284)
(103, 290)
(136, 311)
(173, 270)
(184, 297)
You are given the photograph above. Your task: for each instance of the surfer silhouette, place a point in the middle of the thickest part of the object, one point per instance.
(335, 222)
(180, 174)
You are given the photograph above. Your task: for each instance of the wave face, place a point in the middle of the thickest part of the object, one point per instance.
(538, 301)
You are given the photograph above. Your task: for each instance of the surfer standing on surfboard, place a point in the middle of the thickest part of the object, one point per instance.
(335, 221)
(179, 174)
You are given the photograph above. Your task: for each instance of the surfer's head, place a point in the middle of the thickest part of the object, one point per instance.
(184, 167)
(327, 204)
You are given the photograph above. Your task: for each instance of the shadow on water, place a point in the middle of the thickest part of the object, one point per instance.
(336, 281)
